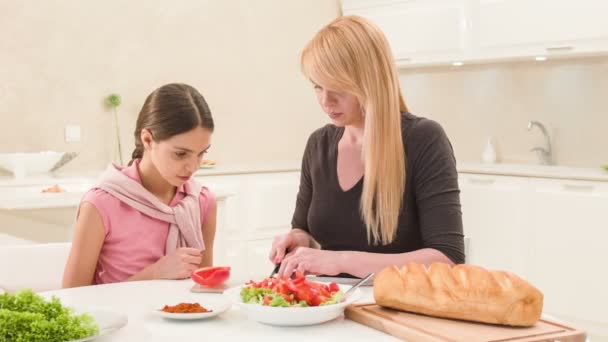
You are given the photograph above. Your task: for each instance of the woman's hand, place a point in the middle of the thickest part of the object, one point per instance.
(178, 265)
(287, 243)
(312, 261)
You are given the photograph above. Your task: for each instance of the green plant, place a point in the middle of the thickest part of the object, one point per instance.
(113, 101)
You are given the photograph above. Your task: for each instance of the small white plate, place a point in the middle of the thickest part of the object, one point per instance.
(217, 306)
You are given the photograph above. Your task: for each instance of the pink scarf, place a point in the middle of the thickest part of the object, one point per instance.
(184, 217)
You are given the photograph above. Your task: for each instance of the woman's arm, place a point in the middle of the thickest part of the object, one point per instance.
(209, 228)
(436, 191)
(88, 239)
(361, 264)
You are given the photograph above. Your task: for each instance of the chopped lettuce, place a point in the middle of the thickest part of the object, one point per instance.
(278, 300)
(254, 295)
(334, 299)
(26, 316)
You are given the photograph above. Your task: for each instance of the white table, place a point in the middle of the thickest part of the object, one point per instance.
(138, 299)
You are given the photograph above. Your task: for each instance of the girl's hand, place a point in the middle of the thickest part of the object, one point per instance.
(178, 265)
(312, 261)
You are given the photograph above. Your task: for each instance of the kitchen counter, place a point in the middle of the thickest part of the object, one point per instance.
(537, 171)
(90, 177)
(26, 193)
(239, 169)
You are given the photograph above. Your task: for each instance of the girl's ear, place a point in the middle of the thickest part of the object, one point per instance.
(146, 138)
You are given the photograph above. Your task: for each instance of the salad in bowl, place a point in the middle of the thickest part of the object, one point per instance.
(292, 301)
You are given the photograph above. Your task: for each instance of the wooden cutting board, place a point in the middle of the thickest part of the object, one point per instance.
(413, 327)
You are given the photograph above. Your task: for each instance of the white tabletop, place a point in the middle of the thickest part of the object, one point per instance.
(138, 299)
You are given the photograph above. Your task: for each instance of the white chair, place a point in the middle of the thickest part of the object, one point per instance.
(35, 266)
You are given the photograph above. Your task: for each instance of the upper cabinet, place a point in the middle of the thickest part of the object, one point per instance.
(408, 25)
(427, 32)
(517, 28)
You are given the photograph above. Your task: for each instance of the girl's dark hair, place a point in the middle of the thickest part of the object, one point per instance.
(170, 110)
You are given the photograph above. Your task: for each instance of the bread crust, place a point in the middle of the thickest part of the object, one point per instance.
(464, 292)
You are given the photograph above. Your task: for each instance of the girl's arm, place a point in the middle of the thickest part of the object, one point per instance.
(88, 239)
(209, 235)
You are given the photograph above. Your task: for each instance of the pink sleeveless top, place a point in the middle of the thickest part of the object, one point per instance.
(133, 240)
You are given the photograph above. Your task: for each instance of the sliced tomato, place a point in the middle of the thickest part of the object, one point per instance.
(333, 288)
(318, 300)
(297, 289)
(211, 276)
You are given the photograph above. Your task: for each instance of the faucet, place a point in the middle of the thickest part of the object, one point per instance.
(545, 154)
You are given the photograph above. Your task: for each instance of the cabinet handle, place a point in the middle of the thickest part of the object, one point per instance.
(577, 187)
(482, 181)
(404, 60)
(559, 48)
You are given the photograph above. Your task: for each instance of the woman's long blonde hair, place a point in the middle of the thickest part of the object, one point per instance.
(352, 55)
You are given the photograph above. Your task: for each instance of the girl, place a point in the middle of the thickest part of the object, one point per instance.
(379, 187)
(151, 219)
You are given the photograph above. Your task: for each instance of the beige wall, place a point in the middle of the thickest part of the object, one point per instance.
(59, 59)
(498, 100)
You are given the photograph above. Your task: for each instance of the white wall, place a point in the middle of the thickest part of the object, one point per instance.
(472, 102)
(59, 59)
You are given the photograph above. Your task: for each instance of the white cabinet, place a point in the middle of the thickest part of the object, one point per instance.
(541, 27)
(551, 232)
(260, 207)
(569, 230)
(419, 31)
(428, 32)
(260, 201)
(493, 218)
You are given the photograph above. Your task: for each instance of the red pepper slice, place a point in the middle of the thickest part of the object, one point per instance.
(211, 276)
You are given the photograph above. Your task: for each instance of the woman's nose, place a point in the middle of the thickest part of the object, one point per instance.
(326, 98)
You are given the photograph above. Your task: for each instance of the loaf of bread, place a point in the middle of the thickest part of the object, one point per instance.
(461, 292)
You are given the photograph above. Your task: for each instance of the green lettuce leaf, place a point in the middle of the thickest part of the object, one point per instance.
(26, 316)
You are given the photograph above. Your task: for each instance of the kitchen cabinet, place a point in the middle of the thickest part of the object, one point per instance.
(551, 232)
(261, 201)
(493, 218)
(260, 207)
(568, 228)
(436, 32)
(408, 25)
(539, 27)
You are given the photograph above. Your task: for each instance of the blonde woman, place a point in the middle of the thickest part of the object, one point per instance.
(379, 185)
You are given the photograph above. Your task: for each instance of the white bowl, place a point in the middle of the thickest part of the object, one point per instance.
(22, 164)
(292, 316)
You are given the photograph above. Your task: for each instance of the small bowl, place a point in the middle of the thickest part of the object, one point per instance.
(23, 164)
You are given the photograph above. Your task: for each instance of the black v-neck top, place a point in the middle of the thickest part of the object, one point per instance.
(430, 216)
